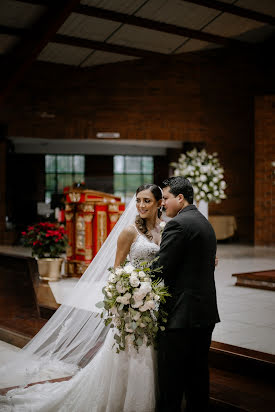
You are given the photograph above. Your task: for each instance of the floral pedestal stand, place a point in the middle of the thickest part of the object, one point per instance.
(202, 206)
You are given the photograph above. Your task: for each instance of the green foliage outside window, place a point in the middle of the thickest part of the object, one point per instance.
(130, 172)
(61, 171)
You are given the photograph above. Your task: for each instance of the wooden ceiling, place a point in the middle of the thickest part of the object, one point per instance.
(91, 32)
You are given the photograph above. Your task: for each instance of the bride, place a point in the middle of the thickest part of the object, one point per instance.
(76, 342)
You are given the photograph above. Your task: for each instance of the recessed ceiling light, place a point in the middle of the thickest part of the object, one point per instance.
(108, 135)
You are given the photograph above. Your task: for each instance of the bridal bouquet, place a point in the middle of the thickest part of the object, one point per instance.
(132, 304)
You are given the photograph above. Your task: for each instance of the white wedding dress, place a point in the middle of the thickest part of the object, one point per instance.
(111, 382)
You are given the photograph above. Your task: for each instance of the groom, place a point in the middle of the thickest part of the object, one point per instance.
(187, 255)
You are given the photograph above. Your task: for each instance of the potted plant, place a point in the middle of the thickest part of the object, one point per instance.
(48, 242)
(205, 174)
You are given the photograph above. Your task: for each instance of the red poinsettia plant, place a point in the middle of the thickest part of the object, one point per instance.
(45, 239)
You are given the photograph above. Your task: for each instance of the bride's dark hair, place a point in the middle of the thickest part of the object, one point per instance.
(141, 223)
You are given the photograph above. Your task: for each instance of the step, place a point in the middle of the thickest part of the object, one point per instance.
(259, 280)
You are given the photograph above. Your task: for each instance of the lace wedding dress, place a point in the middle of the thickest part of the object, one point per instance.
(111, 382)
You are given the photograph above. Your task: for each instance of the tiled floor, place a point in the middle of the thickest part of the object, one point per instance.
(247, 315)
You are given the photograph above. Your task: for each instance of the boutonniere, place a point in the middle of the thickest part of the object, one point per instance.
(162, 226)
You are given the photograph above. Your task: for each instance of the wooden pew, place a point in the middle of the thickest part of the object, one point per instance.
(21, 300)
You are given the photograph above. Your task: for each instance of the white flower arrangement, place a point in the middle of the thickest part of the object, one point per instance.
(133, 304)
(205, 174)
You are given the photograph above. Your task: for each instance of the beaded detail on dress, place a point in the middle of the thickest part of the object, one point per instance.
(142, 249)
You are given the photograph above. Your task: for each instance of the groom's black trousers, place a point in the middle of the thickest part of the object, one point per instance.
(183, 368)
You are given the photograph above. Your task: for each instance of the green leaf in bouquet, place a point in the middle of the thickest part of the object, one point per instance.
(162, 328)
(112, 325)
(121, 306)
(140, 331)
(117, 338)
(139, 341)
(134, 325)
(100, 305)
(155, 329)
(108, 321)
(107, 305)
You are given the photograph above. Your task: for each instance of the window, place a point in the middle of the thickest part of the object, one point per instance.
(61, 171)
(130, 172)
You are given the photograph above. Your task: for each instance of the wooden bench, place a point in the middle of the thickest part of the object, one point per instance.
(25, 301)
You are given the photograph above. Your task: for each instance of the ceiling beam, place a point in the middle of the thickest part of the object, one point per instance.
(88, 44)
(236, 10)
(147, 24)
(32, 42)
(107, 47)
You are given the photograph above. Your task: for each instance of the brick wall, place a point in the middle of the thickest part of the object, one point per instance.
(208, 99)
(264, 222)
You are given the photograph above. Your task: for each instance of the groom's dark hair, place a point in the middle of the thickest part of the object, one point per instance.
(180, 185)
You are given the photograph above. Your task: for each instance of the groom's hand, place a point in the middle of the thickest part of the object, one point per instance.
(216, 261)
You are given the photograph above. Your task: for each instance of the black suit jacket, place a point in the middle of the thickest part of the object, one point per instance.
(187, 255)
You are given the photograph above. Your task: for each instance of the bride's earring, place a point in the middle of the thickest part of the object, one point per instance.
(160, 211)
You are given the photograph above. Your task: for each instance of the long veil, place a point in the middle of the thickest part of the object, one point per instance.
(75, 332)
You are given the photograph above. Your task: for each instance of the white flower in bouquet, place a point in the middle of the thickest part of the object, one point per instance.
(134, 281)
(118, 271)
(129, 268)
(113, 310)
(112, 278)
(128, 328)
(149, 304)
(143, 290)
(134, 305)
(120, 288)
(137, 316)
(137, 304)
(125, 300)
(141, 274)
(205, 174)
(129, 339)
